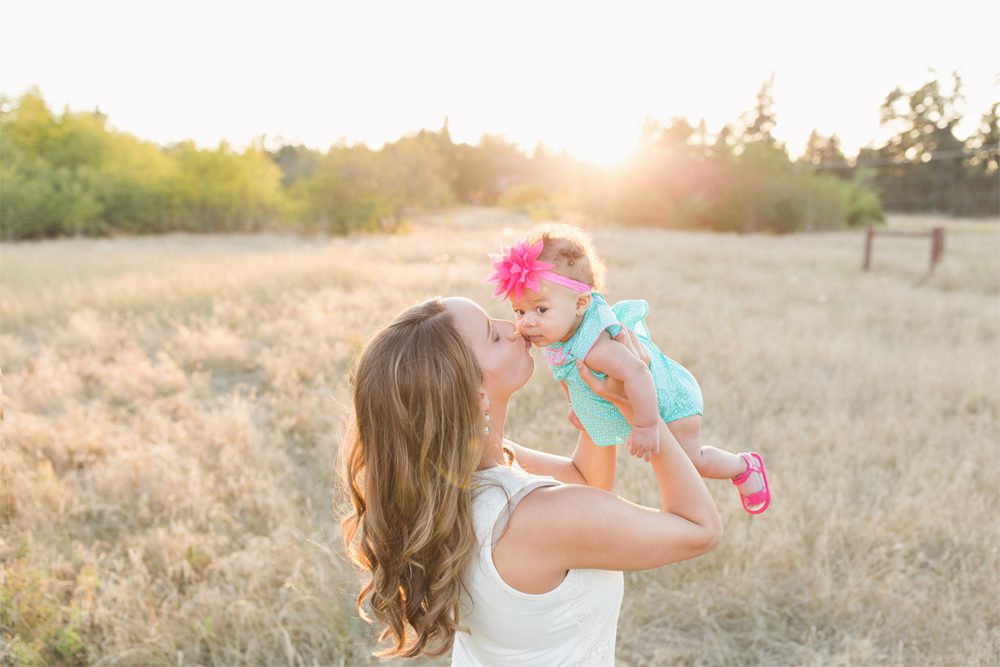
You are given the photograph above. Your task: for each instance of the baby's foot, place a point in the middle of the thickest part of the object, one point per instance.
(752, 484)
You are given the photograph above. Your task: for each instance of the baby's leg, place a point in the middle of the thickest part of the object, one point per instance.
(711, 462)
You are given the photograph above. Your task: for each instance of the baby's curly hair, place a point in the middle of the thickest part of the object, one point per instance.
(572, 252)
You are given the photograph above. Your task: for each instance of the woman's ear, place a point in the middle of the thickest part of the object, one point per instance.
(582, 304)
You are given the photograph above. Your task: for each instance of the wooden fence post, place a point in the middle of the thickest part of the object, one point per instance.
(937, 245)
(869, 232)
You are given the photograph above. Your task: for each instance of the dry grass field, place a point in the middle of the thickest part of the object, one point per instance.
(173, 407)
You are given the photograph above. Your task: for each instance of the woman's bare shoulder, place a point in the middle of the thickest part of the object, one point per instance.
(528, 555)
(549, 518)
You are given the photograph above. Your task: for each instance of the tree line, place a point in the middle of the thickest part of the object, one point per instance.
(924, 166)
(71, 174)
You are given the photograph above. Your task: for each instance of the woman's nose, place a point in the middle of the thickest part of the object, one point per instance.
(511, 330)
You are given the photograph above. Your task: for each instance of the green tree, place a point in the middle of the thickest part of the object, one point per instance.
(920, 167)
(134, 186)
(221, 190)
(762, 121)
(414, 174)
(744, 181)
(296, 163)
(48, 178)
(824, 155)
(985, 143)
(981, 195)
(485, 171)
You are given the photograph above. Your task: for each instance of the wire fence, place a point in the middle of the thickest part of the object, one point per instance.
(950, 154)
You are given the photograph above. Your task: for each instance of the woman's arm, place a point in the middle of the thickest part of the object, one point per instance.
(590, 465)
(574, 526)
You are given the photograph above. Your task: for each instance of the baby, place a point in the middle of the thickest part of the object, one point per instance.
(554, 281)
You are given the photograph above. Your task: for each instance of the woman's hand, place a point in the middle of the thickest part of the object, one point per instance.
(573, 419)
(611, 389)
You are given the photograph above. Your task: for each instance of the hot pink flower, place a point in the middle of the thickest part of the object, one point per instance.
(517, 268)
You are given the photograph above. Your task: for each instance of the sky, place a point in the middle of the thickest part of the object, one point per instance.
(578, 76)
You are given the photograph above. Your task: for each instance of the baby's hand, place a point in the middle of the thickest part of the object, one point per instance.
(644, 441)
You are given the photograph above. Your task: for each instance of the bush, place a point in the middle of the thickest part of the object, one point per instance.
(72, 175)
(758, 190)
(529, 199)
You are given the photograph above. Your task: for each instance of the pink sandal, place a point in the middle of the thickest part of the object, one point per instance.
(754, 464)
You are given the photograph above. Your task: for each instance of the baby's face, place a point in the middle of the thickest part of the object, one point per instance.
(548, 315)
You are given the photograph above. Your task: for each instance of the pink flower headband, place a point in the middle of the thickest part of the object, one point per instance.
(518, 267)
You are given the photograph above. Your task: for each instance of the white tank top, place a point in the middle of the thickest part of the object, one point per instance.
(573, 624)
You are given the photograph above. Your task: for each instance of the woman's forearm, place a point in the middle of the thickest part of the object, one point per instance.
(590, 464)
(595, 464)
(682, 490)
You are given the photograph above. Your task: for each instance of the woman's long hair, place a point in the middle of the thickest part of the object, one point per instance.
(407, 468)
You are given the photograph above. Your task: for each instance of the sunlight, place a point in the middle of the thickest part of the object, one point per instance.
(588, 96)
(605, 146)
(606, 149)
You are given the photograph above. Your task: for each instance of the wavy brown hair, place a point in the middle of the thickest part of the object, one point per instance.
(407, 468)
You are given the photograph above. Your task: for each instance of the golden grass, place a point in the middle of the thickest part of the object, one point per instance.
(173, 407)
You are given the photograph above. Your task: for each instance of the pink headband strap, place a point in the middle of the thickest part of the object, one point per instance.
(518, 267)
(565, 281)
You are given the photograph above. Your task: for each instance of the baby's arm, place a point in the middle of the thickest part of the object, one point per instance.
(621, 364)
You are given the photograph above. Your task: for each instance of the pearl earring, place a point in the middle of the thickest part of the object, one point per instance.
(486, 429)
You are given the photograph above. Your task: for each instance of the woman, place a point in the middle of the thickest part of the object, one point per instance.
(464, 539)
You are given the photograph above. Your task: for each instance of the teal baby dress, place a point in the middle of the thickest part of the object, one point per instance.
(678, 393)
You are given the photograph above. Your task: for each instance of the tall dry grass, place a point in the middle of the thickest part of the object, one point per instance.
(173, 407)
